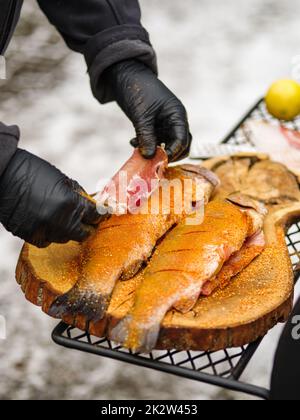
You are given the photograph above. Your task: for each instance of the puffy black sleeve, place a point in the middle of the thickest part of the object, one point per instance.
(105, 32)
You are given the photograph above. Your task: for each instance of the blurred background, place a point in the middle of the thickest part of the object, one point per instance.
(218, 57)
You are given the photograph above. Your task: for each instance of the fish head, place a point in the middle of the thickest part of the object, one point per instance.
(248, 202)
(197, 181)
(255, 209)
(197, 171)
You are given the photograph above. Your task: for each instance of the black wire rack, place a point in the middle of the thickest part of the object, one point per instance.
(223, 368)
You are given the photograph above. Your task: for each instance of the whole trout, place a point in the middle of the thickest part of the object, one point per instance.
(123, 244)
(185, 262)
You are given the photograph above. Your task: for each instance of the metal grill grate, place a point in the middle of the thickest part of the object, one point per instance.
(223, 368)
(224, 364)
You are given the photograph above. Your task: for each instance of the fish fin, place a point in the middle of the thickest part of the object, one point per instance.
(132, 270)
(185, 305)
(135, 337)
(120, 332)
(148, 339)
(80, 302)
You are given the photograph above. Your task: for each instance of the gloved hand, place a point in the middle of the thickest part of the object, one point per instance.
(157, 115)
(41, 205)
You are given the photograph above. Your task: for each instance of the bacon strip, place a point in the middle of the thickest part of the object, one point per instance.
(236, 264)
(132, 185)
(281, 143)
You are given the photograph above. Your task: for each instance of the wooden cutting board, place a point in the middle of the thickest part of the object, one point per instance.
(256, 300)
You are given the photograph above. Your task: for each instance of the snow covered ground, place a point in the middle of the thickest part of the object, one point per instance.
(219, 57)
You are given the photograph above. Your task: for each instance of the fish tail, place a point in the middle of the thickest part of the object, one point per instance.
(120, 333)
(88, 303)
(135, 337)
(148, 339)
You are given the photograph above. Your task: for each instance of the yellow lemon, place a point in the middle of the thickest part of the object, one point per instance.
(283, 99)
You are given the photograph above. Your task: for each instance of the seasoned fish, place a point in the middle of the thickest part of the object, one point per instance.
(122, 244)
(183, 263)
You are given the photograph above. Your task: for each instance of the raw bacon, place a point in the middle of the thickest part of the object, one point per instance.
(130, 188)
(281, 143)
(236, 264)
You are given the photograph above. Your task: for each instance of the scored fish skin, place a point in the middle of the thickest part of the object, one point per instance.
(122, 244)
(187, 258)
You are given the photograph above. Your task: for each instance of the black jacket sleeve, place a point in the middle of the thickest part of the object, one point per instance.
(9, 15)
(9, 137)
(105, 32)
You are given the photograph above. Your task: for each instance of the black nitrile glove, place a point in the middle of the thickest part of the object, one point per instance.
(41, 205)
(157, 115)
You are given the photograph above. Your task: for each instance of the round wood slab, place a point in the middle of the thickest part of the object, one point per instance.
(257, 299)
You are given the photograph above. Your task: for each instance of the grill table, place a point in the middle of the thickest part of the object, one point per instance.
(223, 368)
